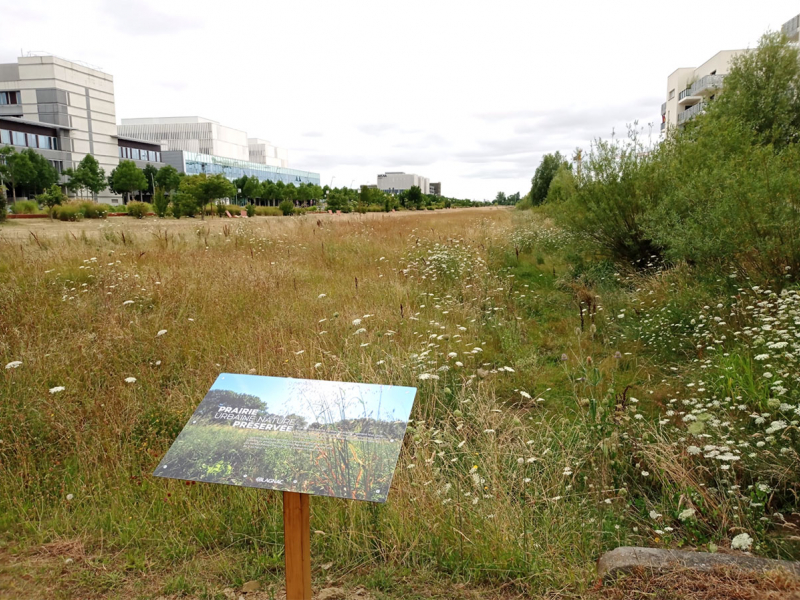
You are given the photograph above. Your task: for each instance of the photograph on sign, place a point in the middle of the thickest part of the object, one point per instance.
(324, 438)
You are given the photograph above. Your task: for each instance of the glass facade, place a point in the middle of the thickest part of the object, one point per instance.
(233, 169)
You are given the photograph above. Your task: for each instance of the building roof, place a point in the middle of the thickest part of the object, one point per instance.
(37, 123)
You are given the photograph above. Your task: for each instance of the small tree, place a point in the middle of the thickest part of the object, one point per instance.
(89, 175)
(19, 169)
(150, 173)
(160, 203)
(414, 196)
(50, 198)
(127, 178)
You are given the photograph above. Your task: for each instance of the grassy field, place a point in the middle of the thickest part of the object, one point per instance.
(565, 408)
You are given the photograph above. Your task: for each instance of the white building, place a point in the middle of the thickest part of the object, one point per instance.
(192, 134)
(689, 88)
(263, 152)
(791, 29)
(65, 110)
(397, 181)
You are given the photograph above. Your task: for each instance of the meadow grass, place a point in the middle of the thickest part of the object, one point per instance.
(528, 454)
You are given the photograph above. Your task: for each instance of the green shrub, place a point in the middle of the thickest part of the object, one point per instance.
(268, 211)
(24, 207)
(139, 209)
(92, 210)
(160, 203)
(286, 207)
(67, 212)
(251, 210)
(618, 182)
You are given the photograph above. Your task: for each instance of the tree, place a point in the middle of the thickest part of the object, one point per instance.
(88, 175)
(214, 188)
(543, 177)
(251, 189)
(45, 174)
(150, 173)
(168, 178)
(563, 185)
(20, 171)
(414, 197)
(762, 92)
(127, 178)
(500, 199)
(52, 197)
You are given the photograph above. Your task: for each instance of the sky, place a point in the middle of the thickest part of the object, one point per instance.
(471, 94)
(322, 401)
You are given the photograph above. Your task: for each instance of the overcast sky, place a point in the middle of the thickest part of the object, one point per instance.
(467, 93)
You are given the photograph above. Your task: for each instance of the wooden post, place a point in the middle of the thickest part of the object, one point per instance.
(297, 545)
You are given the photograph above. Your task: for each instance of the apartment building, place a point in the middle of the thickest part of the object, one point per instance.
(690, 88)
(395, 182)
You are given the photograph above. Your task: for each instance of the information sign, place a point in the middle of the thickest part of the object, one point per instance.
(322, 438)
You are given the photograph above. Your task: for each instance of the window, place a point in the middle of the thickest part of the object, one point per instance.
(44, 142)
(19, 138)
(119, 151)
(9, 98)
(5, 136)
(54, 143)
(158, 156)
(671, 94)
(135, 153)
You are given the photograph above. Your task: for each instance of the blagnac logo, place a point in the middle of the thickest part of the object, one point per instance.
(263, 480)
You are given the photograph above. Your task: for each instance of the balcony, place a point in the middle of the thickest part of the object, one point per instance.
(691, 112)
(699, 89)
(664, 109)
(663, 126)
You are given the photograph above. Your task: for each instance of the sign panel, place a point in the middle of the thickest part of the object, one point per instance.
(325, 438)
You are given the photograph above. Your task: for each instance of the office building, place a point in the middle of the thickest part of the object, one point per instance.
(63, 110)
(195, 145)
(436, 189)
(192, 134)
(194, 163)
(263, 152)
(395, 182)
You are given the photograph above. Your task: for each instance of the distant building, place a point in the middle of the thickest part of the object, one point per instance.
(395, 182)
(263, 152)
(195, 163)
(436, 189)
(791, 29)
(65, 110)
(689, 89)
(195, 145)
(193, 134)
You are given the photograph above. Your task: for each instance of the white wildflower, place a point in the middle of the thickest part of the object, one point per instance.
(742, 542)
(14, 364)
(55, 390)
(160, 333)
(130, 380)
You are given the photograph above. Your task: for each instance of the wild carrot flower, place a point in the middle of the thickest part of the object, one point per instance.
(161, 332)
(14, 364)
(55, 390)
(130, 380)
